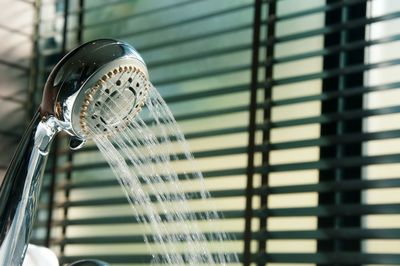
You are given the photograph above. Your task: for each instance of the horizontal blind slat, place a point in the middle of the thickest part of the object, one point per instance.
(269, 190)
(342, 258)
(321, 164)
(320, 211)
(328, 233)
(315, 142)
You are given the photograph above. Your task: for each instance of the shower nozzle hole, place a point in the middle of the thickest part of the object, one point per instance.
(130, 80)
(137, 84)
(114, 94)
(98, 125)
(118, 82)
(107, 91)
(97, 104)
(132, 90)
(94, 116)
(102, 120)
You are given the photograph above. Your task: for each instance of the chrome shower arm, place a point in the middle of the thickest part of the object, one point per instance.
(19, 191)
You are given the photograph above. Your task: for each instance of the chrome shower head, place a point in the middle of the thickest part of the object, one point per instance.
(98, 87)
(90, 79)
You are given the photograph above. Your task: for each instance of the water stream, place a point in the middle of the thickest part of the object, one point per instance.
(143, 156)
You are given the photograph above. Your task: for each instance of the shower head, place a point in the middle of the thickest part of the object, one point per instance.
(98, 87)
(90, 80)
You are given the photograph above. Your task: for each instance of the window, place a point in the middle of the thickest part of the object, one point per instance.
(289, 107)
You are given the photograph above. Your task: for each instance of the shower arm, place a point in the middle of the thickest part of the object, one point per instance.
(19, 191)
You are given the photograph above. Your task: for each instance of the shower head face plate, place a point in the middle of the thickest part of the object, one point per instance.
(113, 101)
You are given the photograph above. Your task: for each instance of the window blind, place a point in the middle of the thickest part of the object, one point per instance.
(289, 108)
